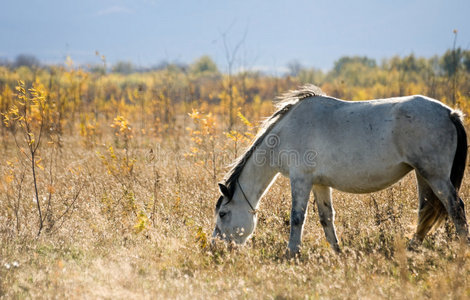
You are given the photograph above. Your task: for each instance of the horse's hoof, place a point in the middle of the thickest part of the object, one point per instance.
(337, 249)
(291, 254)
(414, 244)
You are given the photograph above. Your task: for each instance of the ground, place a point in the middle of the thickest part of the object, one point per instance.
(144, 232)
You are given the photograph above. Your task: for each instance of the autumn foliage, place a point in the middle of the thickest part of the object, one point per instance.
(109, 181)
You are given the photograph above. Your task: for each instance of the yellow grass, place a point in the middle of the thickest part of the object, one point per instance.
(127, 182)
(101, 252)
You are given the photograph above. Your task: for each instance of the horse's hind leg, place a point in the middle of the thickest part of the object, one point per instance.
(326, 212)
(446, 192)
(431, 210)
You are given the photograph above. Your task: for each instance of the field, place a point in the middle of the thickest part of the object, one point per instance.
(109, 183)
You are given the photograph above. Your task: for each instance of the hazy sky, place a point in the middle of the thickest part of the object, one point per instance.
(274, 32)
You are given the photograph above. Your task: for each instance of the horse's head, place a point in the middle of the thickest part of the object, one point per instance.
(236, 218)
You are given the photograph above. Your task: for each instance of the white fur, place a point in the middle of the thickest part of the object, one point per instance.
(357, 147)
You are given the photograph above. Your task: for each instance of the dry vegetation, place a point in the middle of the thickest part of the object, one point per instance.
(126, 170)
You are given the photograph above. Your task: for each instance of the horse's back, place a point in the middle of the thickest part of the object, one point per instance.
(400, 121)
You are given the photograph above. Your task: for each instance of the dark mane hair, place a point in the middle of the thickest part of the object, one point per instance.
(284, 104)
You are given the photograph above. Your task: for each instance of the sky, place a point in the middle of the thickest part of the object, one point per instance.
(258, 34)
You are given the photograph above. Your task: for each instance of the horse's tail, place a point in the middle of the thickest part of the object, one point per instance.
(460, 158)
(434, 212)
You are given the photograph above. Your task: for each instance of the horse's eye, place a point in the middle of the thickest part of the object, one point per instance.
(222, 214)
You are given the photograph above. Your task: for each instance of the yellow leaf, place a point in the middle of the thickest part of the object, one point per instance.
(38, 163)
(244, 119)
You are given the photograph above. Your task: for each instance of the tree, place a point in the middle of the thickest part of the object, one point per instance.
(451, 61)
(345, 60)
(26, 60)
(171, 66)
(28, 115)
(204, 66)
(466, 60)
(294, 67)
(124, 67)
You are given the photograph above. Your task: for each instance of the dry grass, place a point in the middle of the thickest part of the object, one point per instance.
(143, 234)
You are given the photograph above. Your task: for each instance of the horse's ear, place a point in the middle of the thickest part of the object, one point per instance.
(224, 190)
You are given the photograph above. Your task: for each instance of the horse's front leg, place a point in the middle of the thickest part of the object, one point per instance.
(300, 188)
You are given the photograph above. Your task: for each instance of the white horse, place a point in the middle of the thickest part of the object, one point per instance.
(320, 143)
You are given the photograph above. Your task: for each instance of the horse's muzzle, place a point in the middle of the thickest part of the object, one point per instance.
(216, 233)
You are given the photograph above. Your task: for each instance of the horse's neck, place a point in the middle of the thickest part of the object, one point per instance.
(255, 179)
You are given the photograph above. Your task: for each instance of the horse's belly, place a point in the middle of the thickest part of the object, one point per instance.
(364, 181)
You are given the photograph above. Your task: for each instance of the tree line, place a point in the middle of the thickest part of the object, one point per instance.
(157, 96)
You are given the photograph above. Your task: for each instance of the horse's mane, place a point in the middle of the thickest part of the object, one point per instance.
(283, 104)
